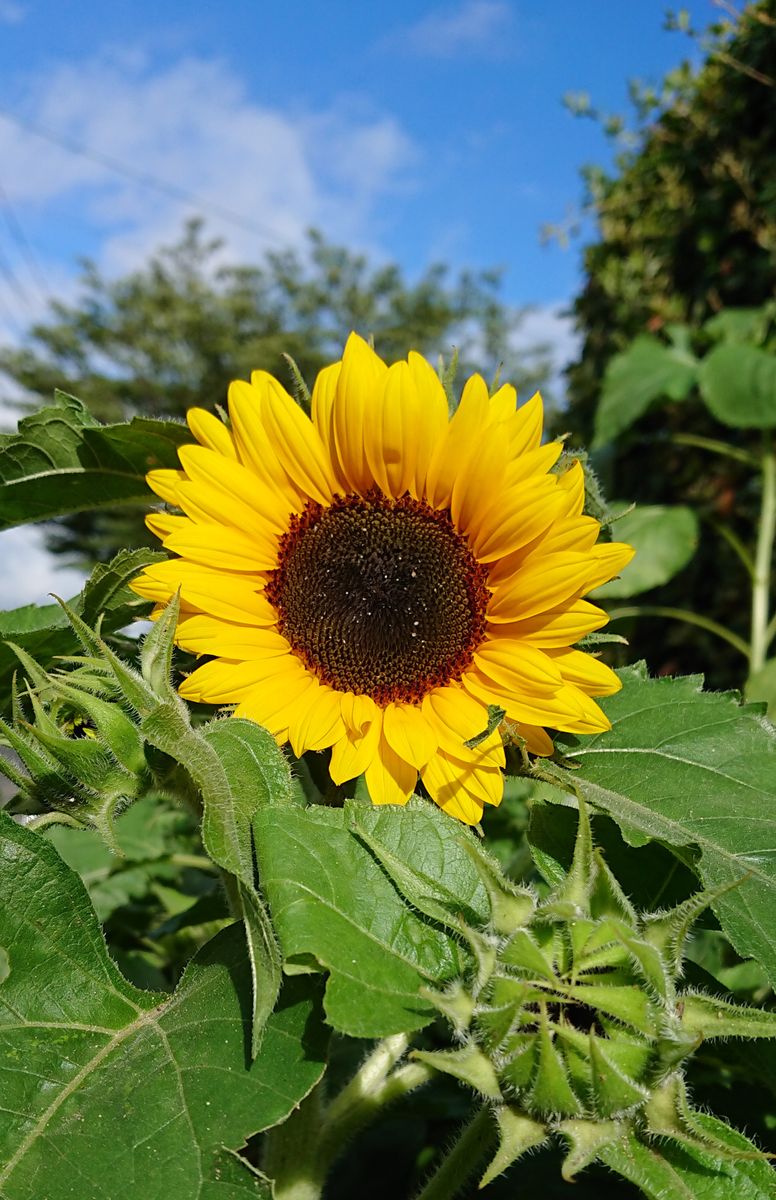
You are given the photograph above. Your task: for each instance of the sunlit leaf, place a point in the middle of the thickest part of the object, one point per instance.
(108, 1090)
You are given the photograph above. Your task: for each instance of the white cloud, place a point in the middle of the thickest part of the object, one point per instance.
(192, 128)
(475, 26)
(29, 572)
(551, 326)
(12, 13)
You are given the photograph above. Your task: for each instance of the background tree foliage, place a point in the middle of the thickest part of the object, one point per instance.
(174, 333)
(686, 231)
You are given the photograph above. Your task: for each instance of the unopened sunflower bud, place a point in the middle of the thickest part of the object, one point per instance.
(582, 1025)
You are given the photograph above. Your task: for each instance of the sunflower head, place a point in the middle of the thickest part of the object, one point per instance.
(377, 577)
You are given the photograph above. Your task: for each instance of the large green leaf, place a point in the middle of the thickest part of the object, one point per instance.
(665, 538)
(62, 460)
(738, 384)
(332, 902)
(663, 1171)
(112, 1092)
(45, 632)
(648, 370)
(692, 769)
(237, 767)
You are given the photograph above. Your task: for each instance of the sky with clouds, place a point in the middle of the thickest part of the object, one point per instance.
(418, 132)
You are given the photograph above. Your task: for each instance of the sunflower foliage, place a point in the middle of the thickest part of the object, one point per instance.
(224, 973)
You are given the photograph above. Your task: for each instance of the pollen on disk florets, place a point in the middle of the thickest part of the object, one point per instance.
(379, 597)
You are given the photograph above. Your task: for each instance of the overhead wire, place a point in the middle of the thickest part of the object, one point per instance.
(143, 178)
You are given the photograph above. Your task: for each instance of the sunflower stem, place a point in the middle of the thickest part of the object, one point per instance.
(683, 614)
(475, 1141)
(300, 1153)
(291, 1158)
(761, 584)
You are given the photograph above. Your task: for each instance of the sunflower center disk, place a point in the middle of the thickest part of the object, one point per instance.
(379, 597)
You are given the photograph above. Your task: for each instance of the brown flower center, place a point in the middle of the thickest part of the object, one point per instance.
(379, 597)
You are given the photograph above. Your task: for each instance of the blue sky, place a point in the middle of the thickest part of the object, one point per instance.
(415, 131)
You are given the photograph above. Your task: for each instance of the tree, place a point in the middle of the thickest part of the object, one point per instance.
(174, 333)
(686, 231)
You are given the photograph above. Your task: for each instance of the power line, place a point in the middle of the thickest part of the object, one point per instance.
(25, 248)
(143, 178)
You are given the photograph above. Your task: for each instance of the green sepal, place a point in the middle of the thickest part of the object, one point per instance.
(586, 1139)
(517, 1133)
(668, 931)
(156, 652)
(455, 1003)
(522, 952)
(133, 687)
(551, 1091)
(468, 1064)
(511, 906)
(711, 1017)
(614, 1092)
(607, 898)
(571, 898)
(668, 1114)
(626, 1003)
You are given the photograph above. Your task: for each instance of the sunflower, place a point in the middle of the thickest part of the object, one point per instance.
(373, 578)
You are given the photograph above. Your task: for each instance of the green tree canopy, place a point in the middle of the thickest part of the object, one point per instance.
(684, 251)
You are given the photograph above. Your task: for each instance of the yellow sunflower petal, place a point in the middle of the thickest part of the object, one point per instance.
(255, 447)
(510, 526)
(537, 740)
(354, 753)
(432, 424)
(525, 427)
(318, 723)
(203, 634)
(390, 438)
(235, 481)
(295, 440)
(211, 432)
(231, 597)
(585, 672)
(609, 558)
(165, 483)
(503, 403)
(455, 716)
(409, 734)
(558, 626)
(389, 778)
(274, 701)
(542, 584)
(222, 547)
(360, 381)
(163, 524)
(462, 436)
(225, 682)
(518, 667)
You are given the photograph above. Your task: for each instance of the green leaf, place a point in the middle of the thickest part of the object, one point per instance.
(44, 630)
(691, 769)
(648, 370)
(738, 325)
(665, 539)
(662, 1170)
(110, 1090)
(237, 767)
(62, 461)
(333, 903)
(738, 384)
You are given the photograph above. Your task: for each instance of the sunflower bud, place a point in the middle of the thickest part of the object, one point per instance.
(581, 1029)
(78, 731)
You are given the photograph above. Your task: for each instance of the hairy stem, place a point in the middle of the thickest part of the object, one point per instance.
(299, 1153)
(474, 1142)
(761, 583)
(291, 1157)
